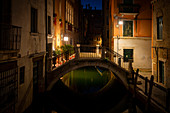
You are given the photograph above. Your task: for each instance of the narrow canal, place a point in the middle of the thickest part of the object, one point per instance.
(88, 90)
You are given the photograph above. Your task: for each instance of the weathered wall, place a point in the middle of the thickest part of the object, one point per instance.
(161, 8)
(141, 50)
(32, 45)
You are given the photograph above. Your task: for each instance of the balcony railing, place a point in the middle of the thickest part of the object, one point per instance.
(129, 8)
(10, 37)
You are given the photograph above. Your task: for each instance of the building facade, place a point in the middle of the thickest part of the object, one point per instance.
(161, 42)
(22, 52)
(92, 26)
(66, 22)
(129, 30)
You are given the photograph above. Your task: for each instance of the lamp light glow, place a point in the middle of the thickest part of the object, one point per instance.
(65, 38)
(120, 22)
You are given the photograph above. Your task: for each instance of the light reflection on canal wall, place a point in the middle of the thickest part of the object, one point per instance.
(87, 79)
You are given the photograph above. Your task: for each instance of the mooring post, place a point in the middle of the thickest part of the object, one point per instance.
(147, 107)
(168, 100)
(146, 85)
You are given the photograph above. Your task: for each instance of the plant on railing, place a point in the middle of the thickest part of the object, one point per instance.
(67, 50)
(56, 54)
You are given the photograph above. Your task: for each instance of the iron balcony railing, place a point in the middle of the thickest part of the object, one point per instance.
(10, 37)
(129, 8)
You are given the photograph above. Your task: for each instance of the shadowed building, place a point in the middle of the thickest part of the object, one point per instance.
(66, 22)
(92, 26)
(22, 52)
(161, 42)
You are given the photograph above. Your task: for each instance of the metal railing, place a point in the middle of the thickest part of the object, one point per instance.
(129, 8)
(160, 94)
(10, 37)
(116, 58)
(62, 58)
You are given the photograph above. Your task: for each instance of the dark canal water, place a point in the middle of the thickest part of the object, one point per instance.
(86, 90)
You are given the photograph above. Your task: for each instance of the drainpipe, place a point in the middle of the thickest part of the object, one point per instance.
(46, 56)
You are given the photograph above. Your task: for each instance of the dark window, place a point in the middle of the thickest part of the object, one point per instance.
(49, 24)
(159, 27)
(34, 20)
(22, 74)
(107, 4)
(128, 1)
(161, 72)
(108, 34)
(107, 20)
(128, 28)
(128, 55)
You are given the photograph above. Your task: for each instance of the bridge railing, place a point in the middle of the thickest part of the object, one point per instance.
(116, 58)
(160, 95)
(62, 58)
(89, 51)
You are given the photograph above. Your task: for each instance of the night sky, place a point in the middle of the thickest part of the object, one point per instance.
(93, 3)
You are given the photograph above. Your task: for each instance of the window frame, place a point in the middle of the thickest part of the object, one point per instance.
(49, 25)
(124, 58)
(22, 75)
(34, 21)
(132, 28)
(158, 27)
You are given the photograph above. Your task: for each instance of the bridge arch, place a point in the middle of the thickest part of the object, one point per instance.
(74, 64)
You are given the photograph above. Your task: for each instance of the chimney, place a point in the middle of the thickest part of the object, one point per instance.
(86, 6)
(95, 8)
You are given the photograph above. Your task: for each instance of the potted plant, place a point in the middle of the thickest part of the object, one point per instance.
(67, 50)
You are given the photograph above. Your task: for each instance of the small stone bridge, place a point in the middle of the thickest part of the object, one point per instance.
(74, 64)
(114, 62)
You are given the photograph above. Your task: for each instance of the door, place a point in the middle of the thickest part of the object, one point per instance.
(161, 72)
(35, 79)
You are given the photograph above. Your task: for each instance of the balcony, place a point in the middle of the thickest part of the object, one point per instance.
(129, 9)
(10, 41)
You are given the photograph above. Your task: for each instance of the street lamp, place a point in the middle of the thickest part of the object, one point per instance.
(66, 38)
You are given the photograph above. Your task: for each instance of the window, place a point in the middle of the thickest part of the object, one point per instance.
(128, 55)
(128, 28)
(22, 74)
(107, 34)
(107, 20)
(159, 28)
(161, 72)
(49, 24)
(107, 4)
(34, 20)
(128, 1)
(69, 13)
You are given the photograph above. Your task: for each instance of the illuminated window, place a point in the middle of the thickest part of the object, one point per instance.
(159, 28)
(128, 28)
(69, 13)
(128, 54)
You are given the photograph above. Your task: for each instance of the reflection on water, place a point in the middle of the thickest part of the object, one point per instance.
(87, 79)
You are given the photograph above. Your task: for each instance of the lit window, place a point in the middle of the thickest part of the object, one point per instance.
(128, 28)
(128, 55)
